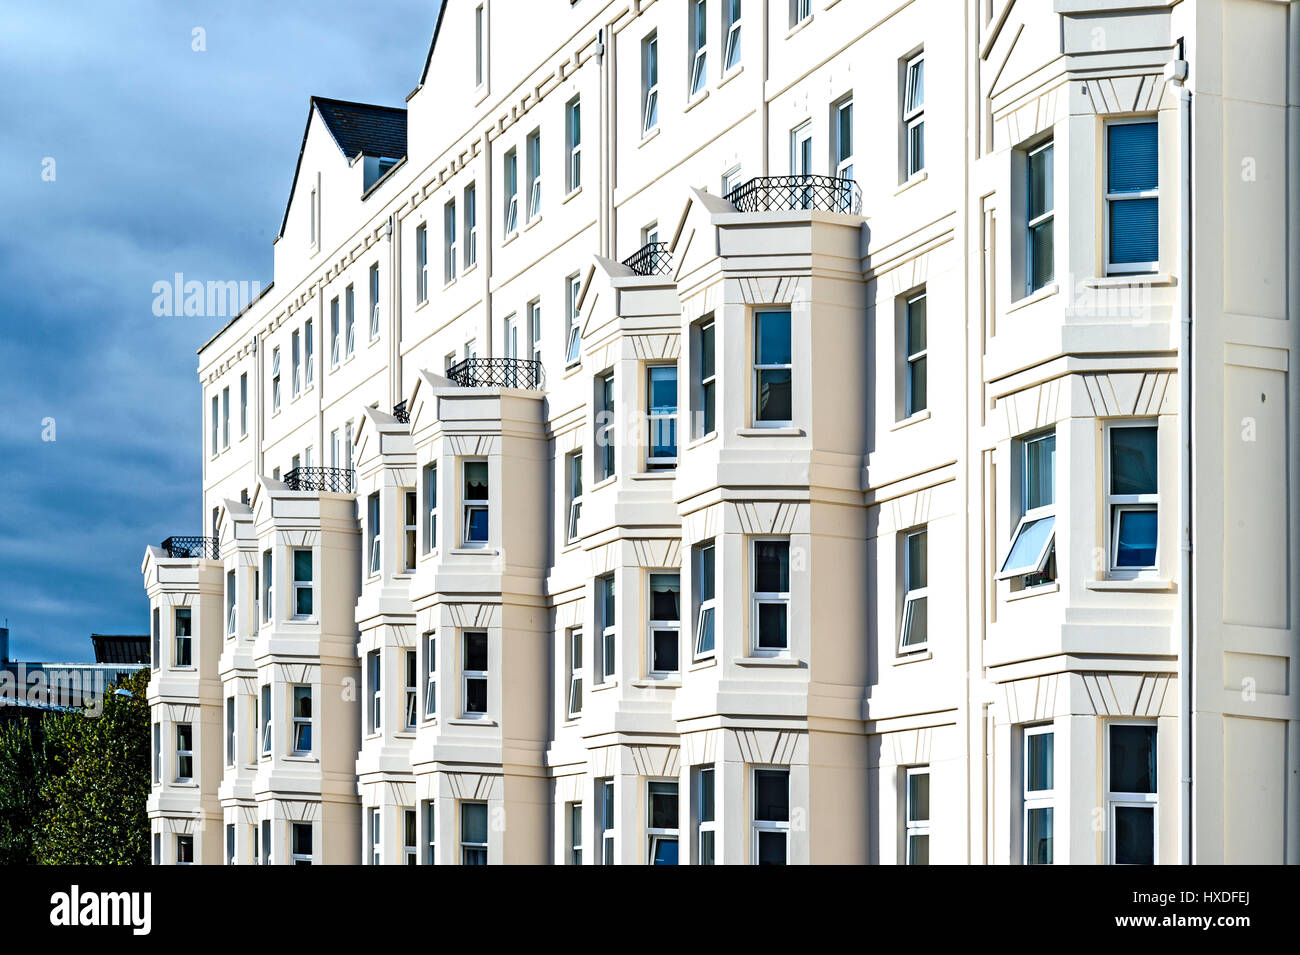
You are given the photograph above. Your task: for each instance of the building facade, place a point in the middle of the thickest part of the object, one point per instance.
(577, 491)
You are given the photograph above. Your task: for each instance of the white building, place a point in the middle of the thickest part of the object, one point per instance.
(724, 432)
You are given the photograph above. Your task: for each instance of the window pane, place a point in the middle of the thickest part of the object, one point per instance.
(302, 602)
(665, 852)
(916, 626)
(183, 621)
(918, 797)
(1133, 467)
(706, 643)
(1040, 182)
(476, 695)
(706, 351)
(478, 524)
(771, 626)
(665, 591)
(302, 702)
(1038, 836)
(1136, 542)
(1042, 266)
(772, 338)
(476, 651)
(917, 385)
(1039, 771)
(771, 567)
(771, 848)
(665, 650)
(916, 310)
(1132, 154)
(706, 795)
(1133, 759)
(706, 573)
(918, 850)
(473, 822)
(917, 549)
(774, 396)
(771, 795)
(476, 481)
(1134, 231)
(302, 566)
(1029, 544)
(1135, 835)
(1040, 472)
(663, 805)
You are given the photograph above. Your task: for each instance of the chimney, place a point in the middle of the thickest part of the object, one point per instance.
(4, 644)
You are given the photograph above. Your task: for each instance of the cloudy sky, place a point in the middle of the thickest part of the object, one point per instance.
(165, 159)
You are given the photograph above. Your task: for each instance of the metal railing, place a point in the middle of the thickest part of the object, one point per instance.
(497, 373)
(400, 413)
(336, 480)
(202, 548)
(783, 193)
(652, 258)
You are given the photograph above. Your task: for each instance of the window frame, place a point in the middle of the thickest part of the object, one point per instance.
(177, 637)
(655, 626)
(373, 282)
(410, 691)
(375, 531)
(800, 10)
(470, 214)
(655, 419)
(574, 657)
(608, 808)
(295, 362)
(1127, 268)
(573, 334)
(451, 247)
(336, 330)
(573, 823)
(1030, 516)
(758, 598)
(757, 368)
(757, 825)
(705, 385)
(376, 828)
(231, 738)
(275, 385)
(181, 753)
(912, 596)
(605, 433)
(844, 165)
(466, 675)
(915, 828)
(732, 15)
(479, 504)
(656, 835)
(916, 364)
(431, 676)
(649, 83)
(1046, 218)
(1128, 503)
(300, 723)
(705, 605)
(604, 661)
(510, 192)
(573, 466)
(410, 528)
(375, 691)
(431, 507)
(467, 847)
(410, 838)
(296, 854)
(533, 151)
(704, 826)
(308, 585)
(308, 353)
(1035, 799)
(267, 732)
(421, 263)
(573, 144)
(913, 115)
(1119, 799)
(697, 31)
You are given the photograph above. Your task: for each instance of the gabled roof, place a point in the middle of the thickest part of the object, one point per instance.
(358, 129)
(442, 9)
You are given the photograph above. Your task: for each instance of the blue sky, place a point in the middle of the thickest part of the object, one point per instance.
(166, 160)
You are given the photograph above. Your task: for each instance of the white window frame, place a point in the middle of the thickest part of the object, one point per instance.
(232, 612)
(409, 837)
(843, 155)
(480, 45)
(185, 839)
(430, 507)
(510, 173)
(915, 827)
(730, 180)
(1126, 268)
(336, 333)
(467, 847)
(431, 831)
(375, 527)
(759, 598)
(653, 626)
(800, 10)
(607, 808)
(573, 823)
(471, 225)
(533, 145)
(478, 504)
(267, 732)
(411, 691)
(1115, 799)
(912, 360)
(1030, 516)
(422, 263)
(243, 403)
(573, 143)
(183, 753)
(308, 353)
(1035, 799)
(573, 467)
(410, 528)
(913, 595)
(308, 585)
(697, 34)
(376, 835)
(216, 424)
(767, 825)
(430, 676)
(225, 417)
(275, 387)
(913, 114)
(706, 385)
(731, 21)
(450, 245)
(177, 638)
(373, 282)
(756, 369)
(301, 723)
(375, 690)
(296, 856)
(535, 328)
(705, 826)
(1117, 504)
(605, 426)
(604, 662)
(295, 352)
(655, 420)
(707, 605)
(1044, 218)
(657, 834)
(650, 83)
(268, 586)
(573, 335)
(573, 704)
(466, 675)
(350, 320)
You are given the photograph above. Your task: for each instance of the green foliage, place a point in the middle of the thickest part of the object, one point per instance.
(73, 787)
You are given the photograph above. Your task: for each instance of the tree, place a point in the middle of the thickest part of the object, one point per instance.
(96, 784)
(24, 763)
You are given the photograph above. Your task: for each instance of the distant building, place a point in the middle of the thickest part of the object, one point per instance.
(37, 686)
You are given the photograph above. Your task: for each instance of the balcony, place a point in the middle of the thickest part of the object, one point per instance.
(497, 373)
(335, 480)
(790, 193)
(400, 413)
(651, 259)
(193, 548)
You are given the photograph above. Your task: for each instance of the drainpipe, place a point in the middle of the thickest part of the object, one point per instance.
(1176, 75)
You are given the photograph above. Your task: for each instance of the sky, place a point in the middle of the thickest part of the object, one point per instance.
(165, 159)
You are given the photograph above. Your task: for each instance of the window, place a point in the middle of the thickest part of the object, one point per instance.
(771, 817)
(1039, 778)
(914, 632)
(575, 673)
(661, 822)
(184, 850)
(730, 30)
(375, 532)
(430, 833)
(800, 10)
(801, 161)
(661, 411)
(573, 338)
(252, 844)
(706, 387)
(1039, 266)
(275, 388)
(302, 583)
(650, 233)
(573, 813)
(336, 341)
(376, 837)
(1131, 793)
(408, 837)
(155, 660)
(231, 618)
(410, 703)
(243, 404)
(699, 48)
(534, 146)
(315, 218)
(1132, 191)
(267, 589)
(473, 833)
(705, 816)
(575, 494)
(475, 496)
(230, 731)
(230, 844)
(350, 310)
(771, 597)
(705, 595)
(916, 832)
(375, 681)
(184, 637)
(430, 675)
(157, 753)
(914, 116)
(1132, 497)
(309, 350)
(471, 225)
(300, 839)
(573, 139)
(410, 529)
(421, 263)
(296, 359)
(225, 417)
(302, 721)
(1032, 545)
(649, 83)
(608, 822)
(842, 129)
(254, 730)
(266, 719)
(665, 623)
(772, 369)
(606, 627)
(535, 329)
(915, 381)
(449, 241)
(266, 842)
(605, 435)
(730, 181)
(511, 187)
(480, 53)
(184, 752)
(474, 673)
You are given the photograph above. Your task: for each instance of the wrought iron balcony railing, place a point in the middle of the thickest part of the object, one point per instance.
(497, 373)
(336, 480)
(202, 548)
(400, 412)
(652, 258)
(784, 193)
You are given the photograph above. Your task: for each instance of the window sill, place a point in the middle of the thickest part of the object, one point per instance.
(510, 237)
(666, 475)
(1141, 584)
(728, 77)
(703, 663)
(604, 482)
(598, 687)
(1047, 291)
(573, 194)
(703, 439)
(789, 663)
(788, 431)
(533, 222)
(916, 657)
(1048, 588)
(299, 758)
(244, 436)
(647, 137)
(696, 101)
(917, 179)
(473, 266)
(571, 722)
(466, 551)
(480, 92)
(1126, 279)
(911, 420)
(472, 721)
(373, 342)
(799, 26)
(663, 683)
(421, 304)
(446, 286)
